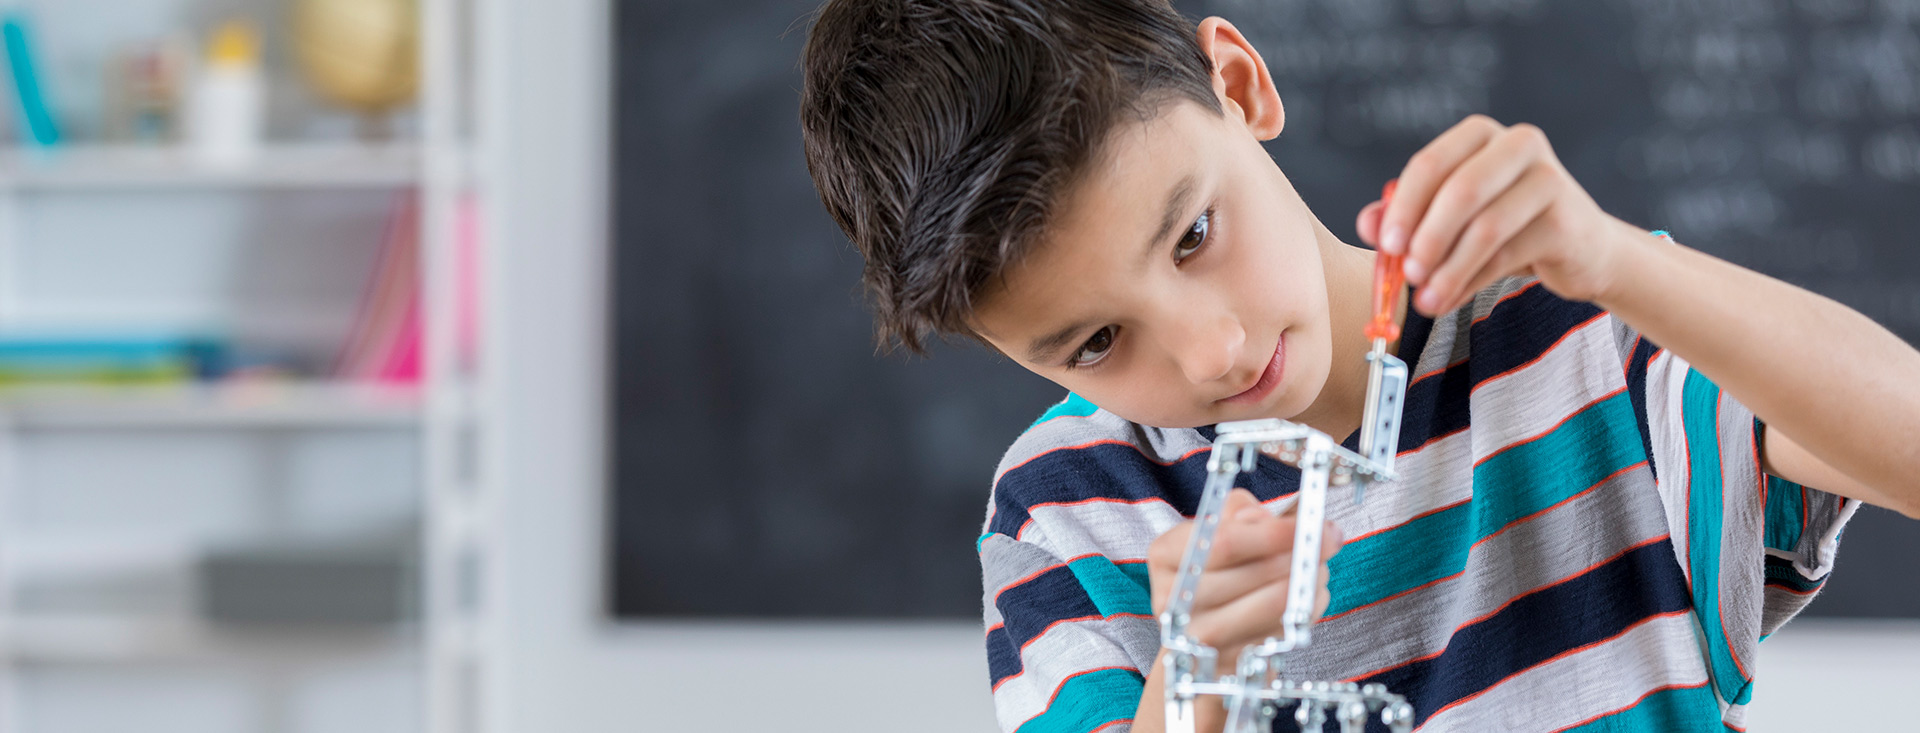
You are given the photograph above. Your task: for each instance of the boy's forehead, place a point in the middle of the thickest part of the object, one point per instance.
(1144, 179)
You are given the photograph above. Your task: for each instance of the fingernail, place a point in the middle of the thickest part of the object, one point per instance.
(1430, 301)
(1416, 272)
(1393, 241)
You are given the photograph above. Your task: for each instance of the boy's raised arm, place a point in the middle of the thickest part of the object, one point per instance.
(1839, 393)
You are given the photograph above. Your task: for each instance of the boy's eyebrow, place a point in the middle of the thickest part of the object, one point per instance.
(1043, 347)
(1176, 204)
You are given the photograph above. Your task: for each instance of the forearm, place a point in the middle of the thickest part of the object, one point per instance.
(1841, 385)
(1151, 716)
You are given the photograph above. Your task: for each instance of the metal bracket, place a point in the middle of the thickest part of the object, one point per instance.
(1255, 693)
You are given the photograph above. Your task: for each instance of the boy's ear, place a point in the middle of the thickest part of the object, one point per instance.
(1241, 80)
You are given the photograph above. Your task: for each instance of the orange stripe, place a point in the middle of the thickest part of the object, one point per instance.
(1626, 365)
(1503, 299)
(1720, 599)
(1432, 440)
(1555, 658)
(1556, 426)
(1495, 612)
(1635, 703)
(1497, 533)
(1043, 632)
(1409, 520)
(1063, 683)
(1543, 354)
(1103, 441)
(1796, 591)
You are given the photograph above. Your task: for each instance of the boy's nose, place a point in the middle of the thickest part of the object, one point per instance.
(1207, 349)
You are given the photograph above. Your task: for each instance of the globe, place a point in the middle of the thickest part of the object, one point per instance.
(360, 54)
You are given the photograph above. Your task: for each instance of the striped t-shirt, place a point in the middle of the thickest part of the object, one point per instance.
(1581, 539)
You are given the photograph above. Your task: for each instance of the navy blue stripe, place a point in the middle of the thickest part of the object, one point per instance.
(1121, 472)
(1781, 572)
(1521, 328)
(1436, 406)
(1637, 364)
(1003, 656)
(1541, 625)
(1518, 330)
(1029, 608)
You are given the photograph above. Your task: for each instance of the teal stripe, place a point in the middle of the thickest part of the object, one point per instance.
(1700, 413)
(1526, 479)
(1686, 708)
(1406, 557)
(1115, 589)
(1786, 506)
(1073, 406)
(1089, 701)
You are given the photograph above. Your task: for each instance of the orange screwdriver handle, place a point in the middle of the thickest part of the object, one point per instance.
(1388, 280)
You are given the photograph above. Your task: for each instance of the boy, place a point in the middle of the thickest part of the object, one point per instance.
(1606, 435)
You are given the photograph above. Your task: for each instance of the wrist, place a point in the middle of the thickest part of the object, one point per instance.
(1634, 257)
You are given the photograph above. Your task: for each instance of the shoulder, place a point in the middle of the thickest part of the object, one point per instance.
(1079, 458)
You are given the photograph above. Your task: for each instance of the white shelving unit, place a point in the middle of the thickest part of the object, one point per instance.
(453, 641)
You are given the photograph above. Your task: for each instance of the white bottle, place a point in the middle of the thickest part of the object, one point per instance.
(227, 117)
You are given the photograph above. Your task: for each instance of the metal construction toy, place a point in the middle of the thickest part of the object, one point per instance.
(1255, 694)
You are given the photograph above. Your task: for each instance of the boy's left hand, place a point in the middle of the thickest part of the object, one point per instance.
(1484, 201)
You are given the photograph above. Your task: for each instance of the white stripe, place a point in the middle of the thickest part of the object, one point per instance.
(1666, 378)
(1069, 649)
(1441, 474)
(1523, 405)
(1117, 530)
(1609, 677)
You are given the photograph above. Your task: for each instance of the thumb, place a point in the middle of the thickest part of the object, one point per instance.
(1368, 223)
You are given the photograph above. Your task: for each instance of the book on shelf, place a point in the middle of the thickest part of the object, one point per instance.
(387, 341)
(384, 342)
(48, 360)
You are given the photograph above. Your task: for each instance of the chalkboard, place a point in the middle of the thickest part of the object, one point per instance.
(765, 462)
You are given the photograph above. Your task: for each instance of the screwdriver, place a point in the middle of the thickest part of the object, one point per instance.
(1388, 280)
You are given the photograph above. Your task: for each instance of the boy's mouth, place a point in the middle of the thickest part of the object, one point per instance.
(1269, 379)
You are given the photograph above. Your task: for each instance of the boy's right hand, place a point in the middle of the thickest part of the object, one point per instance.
(1243, 593)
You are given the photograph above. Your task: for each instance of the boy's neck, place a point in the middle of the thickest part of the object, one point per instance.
(1342, 402)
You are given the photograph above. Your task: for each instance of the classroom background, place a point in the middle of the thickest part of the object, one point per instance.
(489, 366)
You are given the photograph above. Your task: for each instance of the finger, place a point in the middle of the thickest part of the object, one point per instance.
(1254, 535)
(1244, 620)
(1475, 184)
(1368, 223)
(1491, 230)
(1331, 540)
(1509, 261)
(1324, 598)
(1167, 551)
(1424, 173)
(1221, 587)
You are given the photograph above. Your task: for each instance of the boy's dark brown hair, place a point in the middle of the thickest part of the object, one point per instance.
(941, 134)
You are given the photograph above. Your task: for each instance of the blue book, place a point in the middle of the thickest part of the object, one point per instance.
(33, 99)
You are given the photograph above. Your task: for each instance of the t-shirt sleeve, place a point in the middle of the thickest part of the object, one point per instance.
(1754, 548)
(1066, 645)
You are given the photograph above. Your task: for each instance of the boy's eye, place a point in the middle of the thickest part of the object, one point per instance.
(1093, 350)
(1196, 235)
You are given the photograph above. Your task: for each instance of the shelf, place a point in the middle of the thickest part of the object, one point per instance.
(36, 555)
(264, 405)
(116, 638)
(287, 165)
